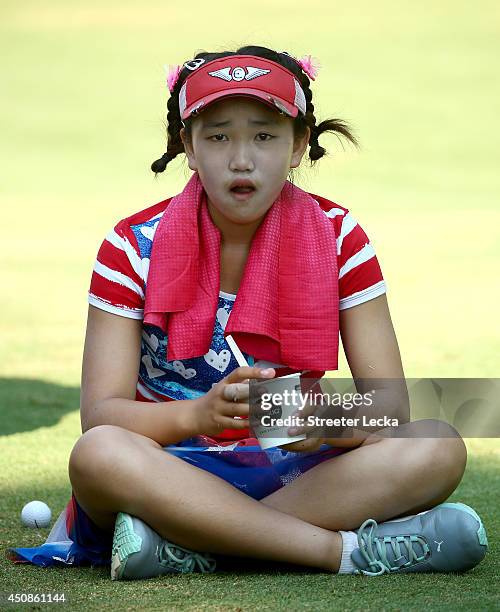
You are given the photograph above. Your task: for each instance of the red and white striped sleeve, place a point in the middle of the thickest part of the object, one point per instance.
(117, 283)
(360, 275)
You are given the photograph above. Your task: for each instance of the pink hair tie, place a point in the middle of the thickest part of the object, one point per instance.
(173, 76)
(310, 68)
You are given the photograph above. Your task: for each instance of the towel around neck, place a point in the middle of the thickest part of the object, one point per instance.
(286, 310)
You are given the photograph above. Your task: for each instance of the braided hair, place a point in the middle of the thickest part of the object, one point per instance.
(175, 146)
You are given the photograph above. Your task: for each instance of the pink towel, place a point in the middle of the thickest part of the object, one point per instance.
(286, 309)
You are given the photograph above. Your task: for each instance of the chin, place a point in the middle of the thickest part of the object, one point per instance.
(244, 220)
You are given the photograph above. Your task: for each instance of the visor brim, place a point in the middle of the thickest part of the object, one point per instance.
(274, 102)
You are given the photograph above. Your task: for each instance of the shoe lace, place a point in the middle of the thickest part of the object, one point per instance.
(377, 559)
(184, 560)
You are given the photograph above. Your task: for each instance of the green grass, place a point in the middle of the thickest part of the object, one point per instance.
(82, 110)
(33, 464)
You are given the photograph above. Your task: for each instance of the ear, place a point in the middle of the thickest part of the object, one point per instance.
(299, 148)
(188, 148)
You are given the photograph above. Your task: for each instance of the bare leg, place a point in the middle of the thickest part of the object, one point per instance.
(112, 469)
(382, 479)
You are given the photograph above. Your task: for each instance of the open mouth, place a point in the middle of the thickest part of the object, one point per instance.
(242, 189)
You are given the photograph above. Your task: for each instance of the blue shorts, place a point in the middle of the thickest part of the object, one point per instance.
(246, 466)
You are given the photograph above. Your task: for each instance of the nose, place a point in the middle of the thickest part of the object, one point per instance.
(241, 157)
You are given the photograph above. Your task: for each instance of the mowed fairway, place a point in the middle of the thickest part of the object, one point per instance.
(82, 113)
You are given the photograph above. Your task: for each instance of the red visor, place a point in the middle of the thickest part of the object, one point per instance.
(240, 75)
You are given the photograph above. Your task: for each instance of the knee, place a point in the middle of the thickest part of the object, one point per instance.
(452, 456)
(93, 451)
(445, 457)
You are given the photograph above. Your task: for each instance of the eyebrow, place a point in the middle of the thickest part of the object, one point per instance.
(212, 124)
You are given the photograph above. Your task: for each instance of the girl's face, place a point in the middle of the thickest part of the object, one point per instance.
(242, 138)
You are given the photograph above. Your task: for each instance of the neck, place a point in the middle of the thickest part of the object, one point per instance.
(233, 234)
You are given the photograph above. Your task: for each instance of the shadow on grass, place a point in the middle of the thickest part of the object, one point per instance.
(26, 404)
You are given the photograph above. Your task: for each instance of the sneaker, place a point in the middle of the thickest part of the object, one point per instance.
(448, 538)
(139, 552)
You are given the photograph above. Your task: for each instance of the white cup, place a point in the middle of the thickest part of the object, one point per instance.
(283, 407)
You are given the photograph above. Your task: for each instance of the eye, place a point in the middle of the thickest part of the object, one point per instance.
(260, 134)
(214, 136)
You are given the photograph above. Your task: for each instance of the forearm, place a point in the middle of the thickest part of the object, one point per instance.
(163, 422)
(383, 409)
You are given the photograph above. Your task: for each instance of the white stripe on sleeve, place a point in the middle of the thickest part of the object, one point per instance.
(348, 224)
(124, 245)
(366, 253)
(117, 277)
(333, 212)
(124, 311)
(363, 296)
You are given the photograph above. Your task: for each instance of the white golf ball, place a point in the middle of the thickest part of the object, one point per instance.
(36, 514)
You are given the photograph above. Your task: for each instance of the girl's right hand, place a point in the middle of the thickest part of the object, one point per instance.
(215, 411)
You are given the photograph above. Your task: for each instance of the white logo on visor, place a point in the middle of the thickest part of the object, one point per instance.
(239, 73)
